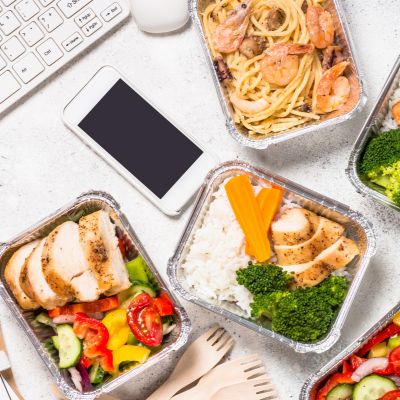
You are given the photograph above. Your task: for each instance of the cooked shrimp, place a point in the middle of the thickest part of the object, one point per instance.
(333, 89)
(229, 34)
(281, 62)
(396, 111)
(320, 27)
(249, 107)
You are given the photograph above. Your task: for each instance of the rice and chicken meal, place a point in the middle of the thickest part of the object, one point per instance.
(261, 255)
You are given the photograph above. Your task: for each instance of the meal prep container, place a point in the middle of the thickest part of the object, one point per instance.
(311, 386)
(85, 204)
(356, 228)
(356, 100)
(370, 130)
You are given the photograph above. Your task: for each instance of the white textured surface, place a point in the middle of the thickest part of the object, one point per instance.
(43, 165)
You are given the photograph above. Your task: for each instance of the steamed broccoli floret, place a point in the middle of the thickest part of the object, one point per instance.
(263, 278)
(381, 163)
(382, 151)
(305, 314)
(266, 305)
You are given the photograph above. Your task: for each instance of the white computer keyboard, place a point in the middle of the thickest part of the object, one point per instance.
(38, 37)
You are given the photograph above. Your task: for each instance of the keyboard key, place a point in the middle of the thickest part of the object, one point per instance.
(9, 23)
(27, 9)
(45, 3)
(31, 34)
(71, 7)
(85, 17)
(8, 85)
(2, 63)
(93, 26)
(111, 12)
(73, 41)
(13, 48)
(49, 51)
(28, 67)
(7, 2)
(51, 19)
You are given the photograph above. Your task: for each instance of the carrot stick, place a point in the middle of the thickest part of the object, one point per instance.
(241, 196)
(269, 201)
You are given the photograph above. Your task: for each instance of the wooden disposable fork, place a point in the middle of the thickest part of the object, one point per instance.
(227, 374)
(199, 358)
(254, 389)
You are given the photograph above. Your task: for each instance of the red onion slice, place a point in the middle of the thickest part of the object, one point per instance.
(64, 319)
(76, 378)
(368, 367)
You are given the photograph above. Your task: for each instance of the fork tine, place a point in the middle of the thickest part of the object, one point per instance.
(261, 380)
(207, 335)
(217, 336)
(247, 359)
(254, 372)
(222, 339)
(251, 365)
(226, 346)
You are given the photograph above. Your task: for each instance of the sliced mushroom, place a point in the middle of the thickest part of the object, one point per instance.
(275, 18)
(222, 69)
(252, 46)
(304, 108)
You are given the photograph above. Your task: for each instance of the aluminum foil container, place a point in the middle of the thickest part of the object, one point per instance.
(371, 129)
(310, 388)
(84, 204)
(356, 227)
(356, 101)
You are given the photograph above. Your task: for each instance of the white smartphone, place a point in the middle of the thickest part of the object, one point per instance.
(139, 140)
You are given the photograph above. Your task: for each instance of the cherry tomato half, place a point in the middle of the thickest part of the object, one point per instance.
(145, 321)
(393, 395)
(394, 360)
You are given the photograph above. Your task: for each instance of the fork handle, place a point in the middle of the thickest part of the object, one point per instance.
(195, 393)
(165, 392)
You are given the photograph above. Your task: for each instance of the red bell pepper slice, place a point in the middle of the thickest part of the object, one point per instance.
(392, 395)
(346, 367)
(95, 338)
(107, 304)
(386, 333)
(86, 362)
(164, 305)
(333, 381)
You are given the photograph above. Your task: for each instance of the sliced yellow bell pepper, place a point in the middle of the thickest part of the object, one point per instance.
(117, 326)
(126, 353)
(379, 350)
(396, 319)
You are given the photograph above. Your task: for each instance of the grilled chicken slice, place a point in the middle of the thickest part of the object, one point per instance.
(100, 246)
(34, 283)
(65, 266)
(335, 257)
(12, 274)
(295, 225)
(327, 233)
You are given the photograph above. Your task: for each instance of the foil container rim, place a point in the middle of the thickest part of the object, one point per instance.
(333, 336)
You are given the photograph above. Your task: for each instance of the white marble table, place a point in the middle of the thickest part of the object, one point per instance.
(43, 165)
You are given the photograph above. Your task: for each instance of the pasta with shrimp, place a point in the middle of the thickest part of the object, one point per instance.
(277, 60)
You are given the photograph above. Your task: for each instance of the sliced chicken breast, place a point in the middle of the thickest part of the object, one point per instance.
(12, 273)
(327, 233)
(65, 266)
(335, 257)
(295, 225)
(34, 283)
(100, 246)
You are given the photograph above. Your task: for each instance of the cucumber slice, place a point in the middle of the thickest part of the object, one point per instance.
(341, 392)
(143, 288)
(373, 387)
(44, 319)
(96, 374)
(70, 347)
(56, 342)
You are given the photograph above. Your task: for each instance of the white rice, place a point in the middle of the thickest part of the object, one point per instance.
(388, 122)
(217, 251)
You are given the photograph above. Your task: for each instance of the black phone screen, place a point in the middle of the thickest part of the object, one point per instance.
(140, 138)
